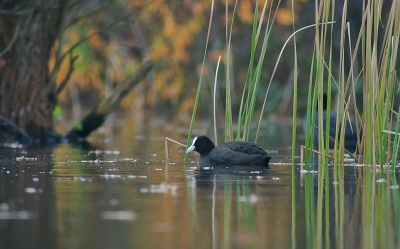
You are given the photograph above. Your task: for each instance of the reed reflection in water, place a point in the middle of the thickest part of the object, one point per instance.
(119, 193)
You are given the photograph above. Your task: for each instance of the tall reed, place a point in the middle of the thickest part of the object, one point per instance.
(378, 145)
(196, 102)
(262, 23)
(378, 60)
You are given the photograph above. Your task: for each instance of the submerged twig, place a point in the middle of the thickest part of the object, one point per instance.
(333, 140)
(170, 139)
(316, 152)
(166, 148)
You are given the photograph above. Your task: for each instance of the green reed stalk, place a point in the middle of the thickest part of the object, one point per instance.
(320, 204)
(250, 90)
(247, 105)
(325, 170)
(379, 91)
(379, 76)
(293, 181)
(196, 101)
(294, 131)
(246, 218)
(315, 99)
(228, 108)
(310, 219)
(340, 121)
(395, 197)
(370, 90)
(213, 216)
(249, 217)
(294, 125)
(386, 98)
(378, 73)
(382, 217)
(338, 170)
(273, 73)
(227, 212)
(396, 143)
(310, 119)
(327, 209)
(339, 206)
(239, 208)
(368, 202)
(192, 202)
(322, 15)
(368, 107)
(244, 105)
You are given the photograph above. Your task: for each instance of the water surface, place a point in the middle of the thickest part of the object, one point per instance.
(117, 191)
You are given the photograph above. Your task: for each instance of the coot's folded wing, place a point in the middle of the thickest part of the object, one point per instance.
(239, 153)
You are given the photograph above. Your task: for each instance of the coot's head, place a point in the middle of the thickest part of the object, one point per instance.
(202, 145)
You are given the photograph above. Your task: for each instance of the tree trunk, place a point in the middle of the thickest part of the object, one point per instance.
(30, 29)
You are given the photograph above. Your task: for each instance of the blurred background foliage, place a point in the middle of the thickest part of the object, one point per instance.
(173, 33)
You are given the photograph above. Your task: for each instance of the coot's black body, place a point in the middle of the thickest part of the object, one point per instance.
(230, 153)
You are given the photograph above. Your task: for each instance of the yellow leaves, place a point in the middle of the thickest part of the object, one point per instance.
(137, 4)
(187, 105)
(175, 88)
(200, 7)
(246, 11)
(157, 6)
(182, 39)
(172, 90)
(63, 71)
(174, 33)
(96, 42)
(169, 24)
(159, 51)
(73, 36)
(284, 17)
(214, 55)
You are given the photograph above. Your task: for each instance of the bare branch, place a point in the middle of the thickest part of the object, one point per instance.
(11, 42)
(95, 33)
(59, 60)
(71, 68)
(86, 15)
(14, 10)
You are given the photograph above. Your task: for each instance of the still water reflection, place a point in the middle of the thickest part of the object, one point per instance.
(117, 192)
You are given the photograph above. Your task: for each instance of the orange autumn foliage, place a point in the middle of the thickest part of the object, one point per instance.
(173, 33)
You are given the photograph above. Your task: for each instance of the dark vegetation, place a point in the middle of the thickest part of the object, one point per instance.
(32, 33)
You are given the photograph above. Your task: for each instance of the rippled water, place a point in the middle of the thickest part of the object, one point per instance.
(116, 191)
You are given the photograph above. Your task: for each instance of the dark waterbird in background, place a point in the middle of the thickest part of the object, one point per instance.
(350, 130)
(229, 154)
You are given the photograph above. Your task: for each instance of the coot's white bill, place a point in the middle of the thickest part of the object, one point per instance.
(192, 147)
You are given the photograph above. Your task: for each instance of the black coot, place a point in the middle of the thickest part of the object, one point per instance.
(350, 133)
(230, 153)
